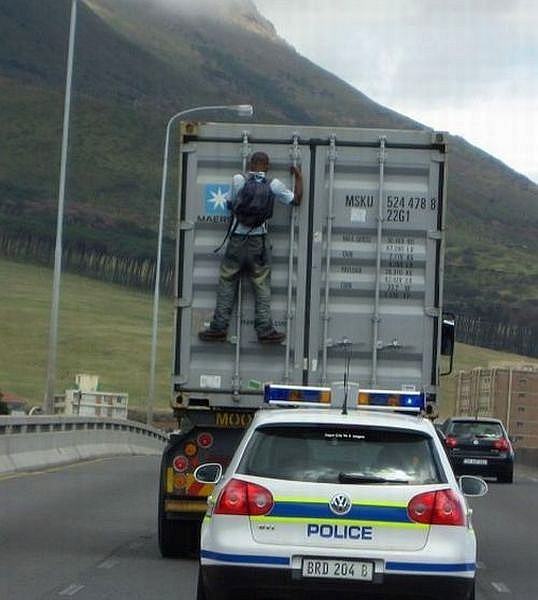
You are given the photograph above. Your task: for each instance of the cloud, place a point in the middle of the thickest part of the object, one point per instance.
(468, 66)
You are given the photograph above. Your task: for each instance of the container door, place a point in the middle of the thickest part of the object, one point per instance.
(232, 372)
(375, 282)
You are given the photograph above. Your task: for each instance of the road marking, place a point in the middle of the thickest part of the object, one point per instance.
(71, 590)
(108, 564)
(500, 587)
(480, 565)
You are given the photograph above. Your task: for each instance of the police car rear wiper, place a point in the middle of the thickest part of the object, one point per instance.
(358, 478)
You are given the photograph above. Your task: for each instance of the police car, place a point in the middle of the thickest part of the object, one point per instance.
(334, 501)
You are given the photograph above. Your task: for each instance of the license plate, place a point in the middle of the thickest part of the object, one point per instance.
(475, 461)
(338, 569)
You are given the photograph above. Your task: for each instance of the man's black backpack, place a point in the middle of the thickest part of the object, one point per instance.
(254, 202)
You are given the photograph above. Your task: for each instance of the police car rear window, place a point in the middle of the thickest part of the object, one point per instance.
(356, 455)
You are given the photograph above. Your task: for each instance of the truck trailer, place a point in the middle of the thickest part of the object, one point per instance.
(357, 286)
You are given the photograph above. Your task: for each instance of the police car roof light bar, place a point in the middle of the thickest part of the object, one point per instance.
(395, 400)
(297, 395)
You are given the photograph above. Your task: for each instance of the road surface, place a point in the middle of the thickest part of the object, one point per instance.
(88, 532)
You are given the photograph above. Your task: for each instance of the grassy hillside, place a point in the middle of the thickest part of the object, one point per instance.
(136, 65)
(105, 329)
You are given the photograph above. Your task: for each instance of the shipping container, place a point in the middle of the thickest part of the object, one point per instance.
(357, 279)
(360, 261)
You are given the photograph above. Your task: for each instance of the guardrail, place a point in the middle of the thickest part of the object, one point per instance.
(37, 442)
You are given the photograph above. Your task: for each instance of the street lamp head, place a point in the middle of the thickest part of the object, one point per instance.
(244, 110)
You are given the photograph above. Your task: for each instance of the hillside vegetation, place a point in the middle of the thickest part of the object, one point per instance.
(135, 66)
(105, 330)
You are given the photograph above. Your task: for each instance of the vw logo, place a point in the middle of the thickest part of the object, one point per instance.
(340, 504)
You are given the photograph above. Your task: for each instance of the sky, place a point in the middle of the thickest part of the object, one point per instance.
(469, 67)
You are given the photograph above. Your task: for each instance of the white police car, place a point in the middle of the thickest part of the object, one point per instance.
(317, 502)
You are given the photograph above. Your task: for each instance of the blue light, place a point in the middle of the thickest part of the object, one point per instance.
(413, 401)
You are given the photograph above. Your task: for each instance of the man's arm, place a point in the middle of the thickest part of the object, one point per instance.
(238, 181)
(298, 187)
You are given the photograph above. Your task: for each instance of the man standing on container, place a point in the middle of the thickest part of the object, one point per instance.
(249, 250)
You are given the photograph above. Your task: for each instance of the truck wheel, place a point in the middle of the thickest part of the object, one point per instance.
(178, 539)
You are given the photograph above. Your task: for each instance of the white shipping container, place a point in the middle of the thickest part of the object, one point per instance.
(358, 266)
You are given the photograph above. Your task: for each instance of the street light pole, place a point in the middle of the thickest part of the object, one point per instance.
(48, 402)
(244, 110)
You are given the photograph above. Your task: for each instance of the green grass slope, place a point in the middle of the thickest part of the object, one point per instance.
(105, 329)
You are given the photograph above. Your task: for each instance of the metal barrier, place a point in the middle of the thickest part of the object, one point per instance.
(37, 442)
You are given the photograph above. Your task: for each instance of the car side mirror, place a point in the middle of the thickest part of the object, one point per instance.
(473, 487)
(208, 473)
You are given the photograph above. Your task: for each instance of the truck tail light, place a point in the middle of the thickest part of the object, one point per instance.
(243, 498)
(451, 441)
(501, 444)
(442, 507)
(180, 464)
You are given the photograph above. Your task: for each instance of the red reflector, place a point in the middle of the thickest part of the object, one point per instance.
(180, 463)
(205, 440)
(451, 441)
(243, 498)
(442, 507)
(501, 444)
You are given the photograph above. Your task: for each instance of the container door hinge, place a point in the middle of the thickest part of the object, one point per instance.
(435, 235)
(182, 303)
(186, 225)
(432, 311)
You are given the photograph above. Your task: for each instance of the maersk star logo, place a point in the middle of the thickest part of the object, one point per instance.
(215, 199)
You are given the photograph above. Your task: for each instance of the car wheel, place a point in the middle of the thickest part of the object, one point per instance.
(472, 594)
(200, 590)
(506, 477)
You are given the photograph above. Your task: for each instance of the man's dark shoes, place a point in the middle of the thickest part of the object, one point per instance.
(212, 335)
(271, 336)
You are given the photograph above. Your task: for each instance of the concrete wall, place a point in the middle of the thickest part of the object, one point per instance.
(30, 443)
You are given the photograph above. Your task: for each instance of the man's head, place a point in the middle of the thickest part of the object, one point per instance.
(259, 161)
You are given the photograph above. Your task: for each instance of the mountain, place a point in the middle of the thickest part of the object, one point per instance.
(140, 61)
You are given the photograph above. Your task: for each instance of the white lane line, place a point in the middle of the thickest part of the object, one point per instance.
(480, 565)
(108, 564)
(501, 587)
(71, 590)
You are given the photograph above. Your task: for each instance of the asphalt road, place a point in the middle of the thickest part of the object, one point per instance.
(88, 532)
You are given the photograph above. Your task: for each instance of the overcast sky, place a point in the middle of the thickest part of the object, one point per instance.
(466, 66)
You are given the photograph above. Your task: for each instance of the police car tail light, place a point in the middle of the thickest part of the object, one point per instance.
(244, 498)
(442, 507)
